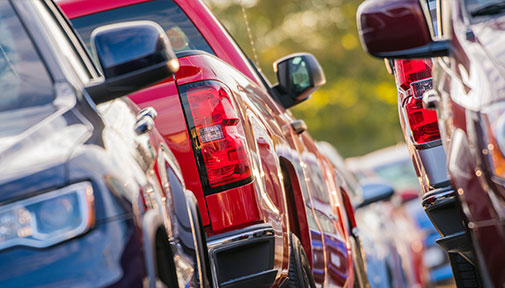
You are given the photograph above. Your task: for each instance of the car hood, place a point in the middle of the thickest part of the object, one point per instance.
(39, 154)
(491, 59)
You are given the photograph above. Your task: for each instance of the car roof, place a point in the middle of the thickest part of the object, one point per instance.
(78, 8)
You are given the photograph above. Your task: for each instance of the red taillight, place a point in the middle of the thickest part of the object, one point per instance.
(414, 77)
(217, 134)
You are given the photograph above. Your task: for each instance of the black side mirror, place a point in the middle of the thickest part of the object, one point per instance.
(299, 75)
(132, 55)
(375, 191)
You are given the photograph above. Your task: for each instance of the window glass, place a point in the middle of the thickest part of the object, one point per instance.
(180, 30)
(27, 89)
(432, 4)
(485, 7)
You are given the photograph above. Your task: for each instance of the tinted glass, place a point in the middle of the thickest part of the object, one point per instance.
(473, 6)
(180, 30)
(27, 90)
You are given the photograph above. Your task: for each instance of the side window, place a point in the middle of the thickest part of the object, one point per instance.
(432, 5)
(27, 88)
(180, 30)
(64, 43)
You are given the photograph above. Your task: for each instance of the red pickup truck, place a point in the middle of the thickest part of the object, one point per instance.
(260, 181)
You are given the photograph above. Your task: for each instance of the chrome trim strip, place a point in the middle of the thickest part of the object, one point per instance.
(432, 200)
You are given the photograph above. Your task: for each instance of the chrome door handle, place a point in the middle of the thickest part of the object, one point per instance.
(144, 125)
(148, 111)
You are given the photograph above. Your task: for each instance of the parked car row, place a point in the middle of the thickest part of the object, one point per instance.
(458, 71)
(414, 229)
(200, 178)
(91, 194)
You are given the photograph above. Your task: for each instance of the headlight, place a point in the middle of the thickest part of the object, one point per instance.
(47, 219)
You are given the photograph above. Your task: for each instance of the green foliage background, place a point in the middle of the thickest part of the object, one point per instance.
(356, 110)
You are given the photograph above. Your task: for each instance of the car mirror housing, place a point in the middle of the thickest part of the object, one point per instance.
(299, 75)
(132, 55)
(375, 191)
(397, 29)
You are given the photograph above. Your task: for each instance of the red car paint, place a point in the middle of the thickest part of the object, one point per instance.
(273, 146)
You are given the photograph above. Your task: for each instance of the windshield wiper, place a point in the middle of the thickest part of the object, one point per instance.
(491, 9)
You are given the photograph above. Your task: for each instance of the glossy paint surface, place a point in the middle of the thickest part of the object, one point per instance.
(382, 25)
(239, 207)
(469, 82)
(267, 202)
(269, 138)
(97, 144)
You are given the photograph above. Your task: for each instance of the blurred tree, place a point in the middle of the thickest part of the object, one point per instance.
(356, 110)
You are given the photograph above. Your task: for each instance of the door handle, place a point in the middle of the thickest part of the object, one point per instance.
(299, 126)
(144, 125)
(148, 111)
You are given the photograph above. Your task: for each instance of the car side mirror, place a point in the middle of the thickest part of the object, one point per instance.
(299, 75)
(375, 191)
(398, 29)
(132, 55)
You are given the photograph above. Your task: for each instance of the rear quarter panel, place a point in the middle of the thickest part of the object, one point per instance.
(265, 139)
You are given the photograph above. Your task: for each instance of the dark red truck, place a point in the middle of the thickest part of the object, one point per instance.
(262, 186)
(468, 94)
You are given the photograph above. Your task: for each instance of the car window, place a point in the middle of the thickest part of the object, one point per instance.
(180, 30)
(432, 5)
(27, 89)
(487, 8)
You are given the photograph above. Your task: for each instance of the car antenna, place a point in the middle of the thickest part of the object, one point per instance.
(251, 40)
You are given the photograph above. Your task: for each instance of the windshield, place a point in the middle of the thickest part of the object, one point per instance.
(180, 30)
(27, 92)
(485, 7)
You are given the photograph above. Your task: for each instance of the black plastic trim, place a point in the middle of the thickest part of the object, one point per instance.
(244, 258)
(260, 280)
(438, 48)
(443, 208)
(187, 53)
(456, 242)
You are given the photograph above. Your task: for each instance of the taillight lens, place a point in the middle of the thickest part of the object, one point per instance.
(414, 77)
(217, 134)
